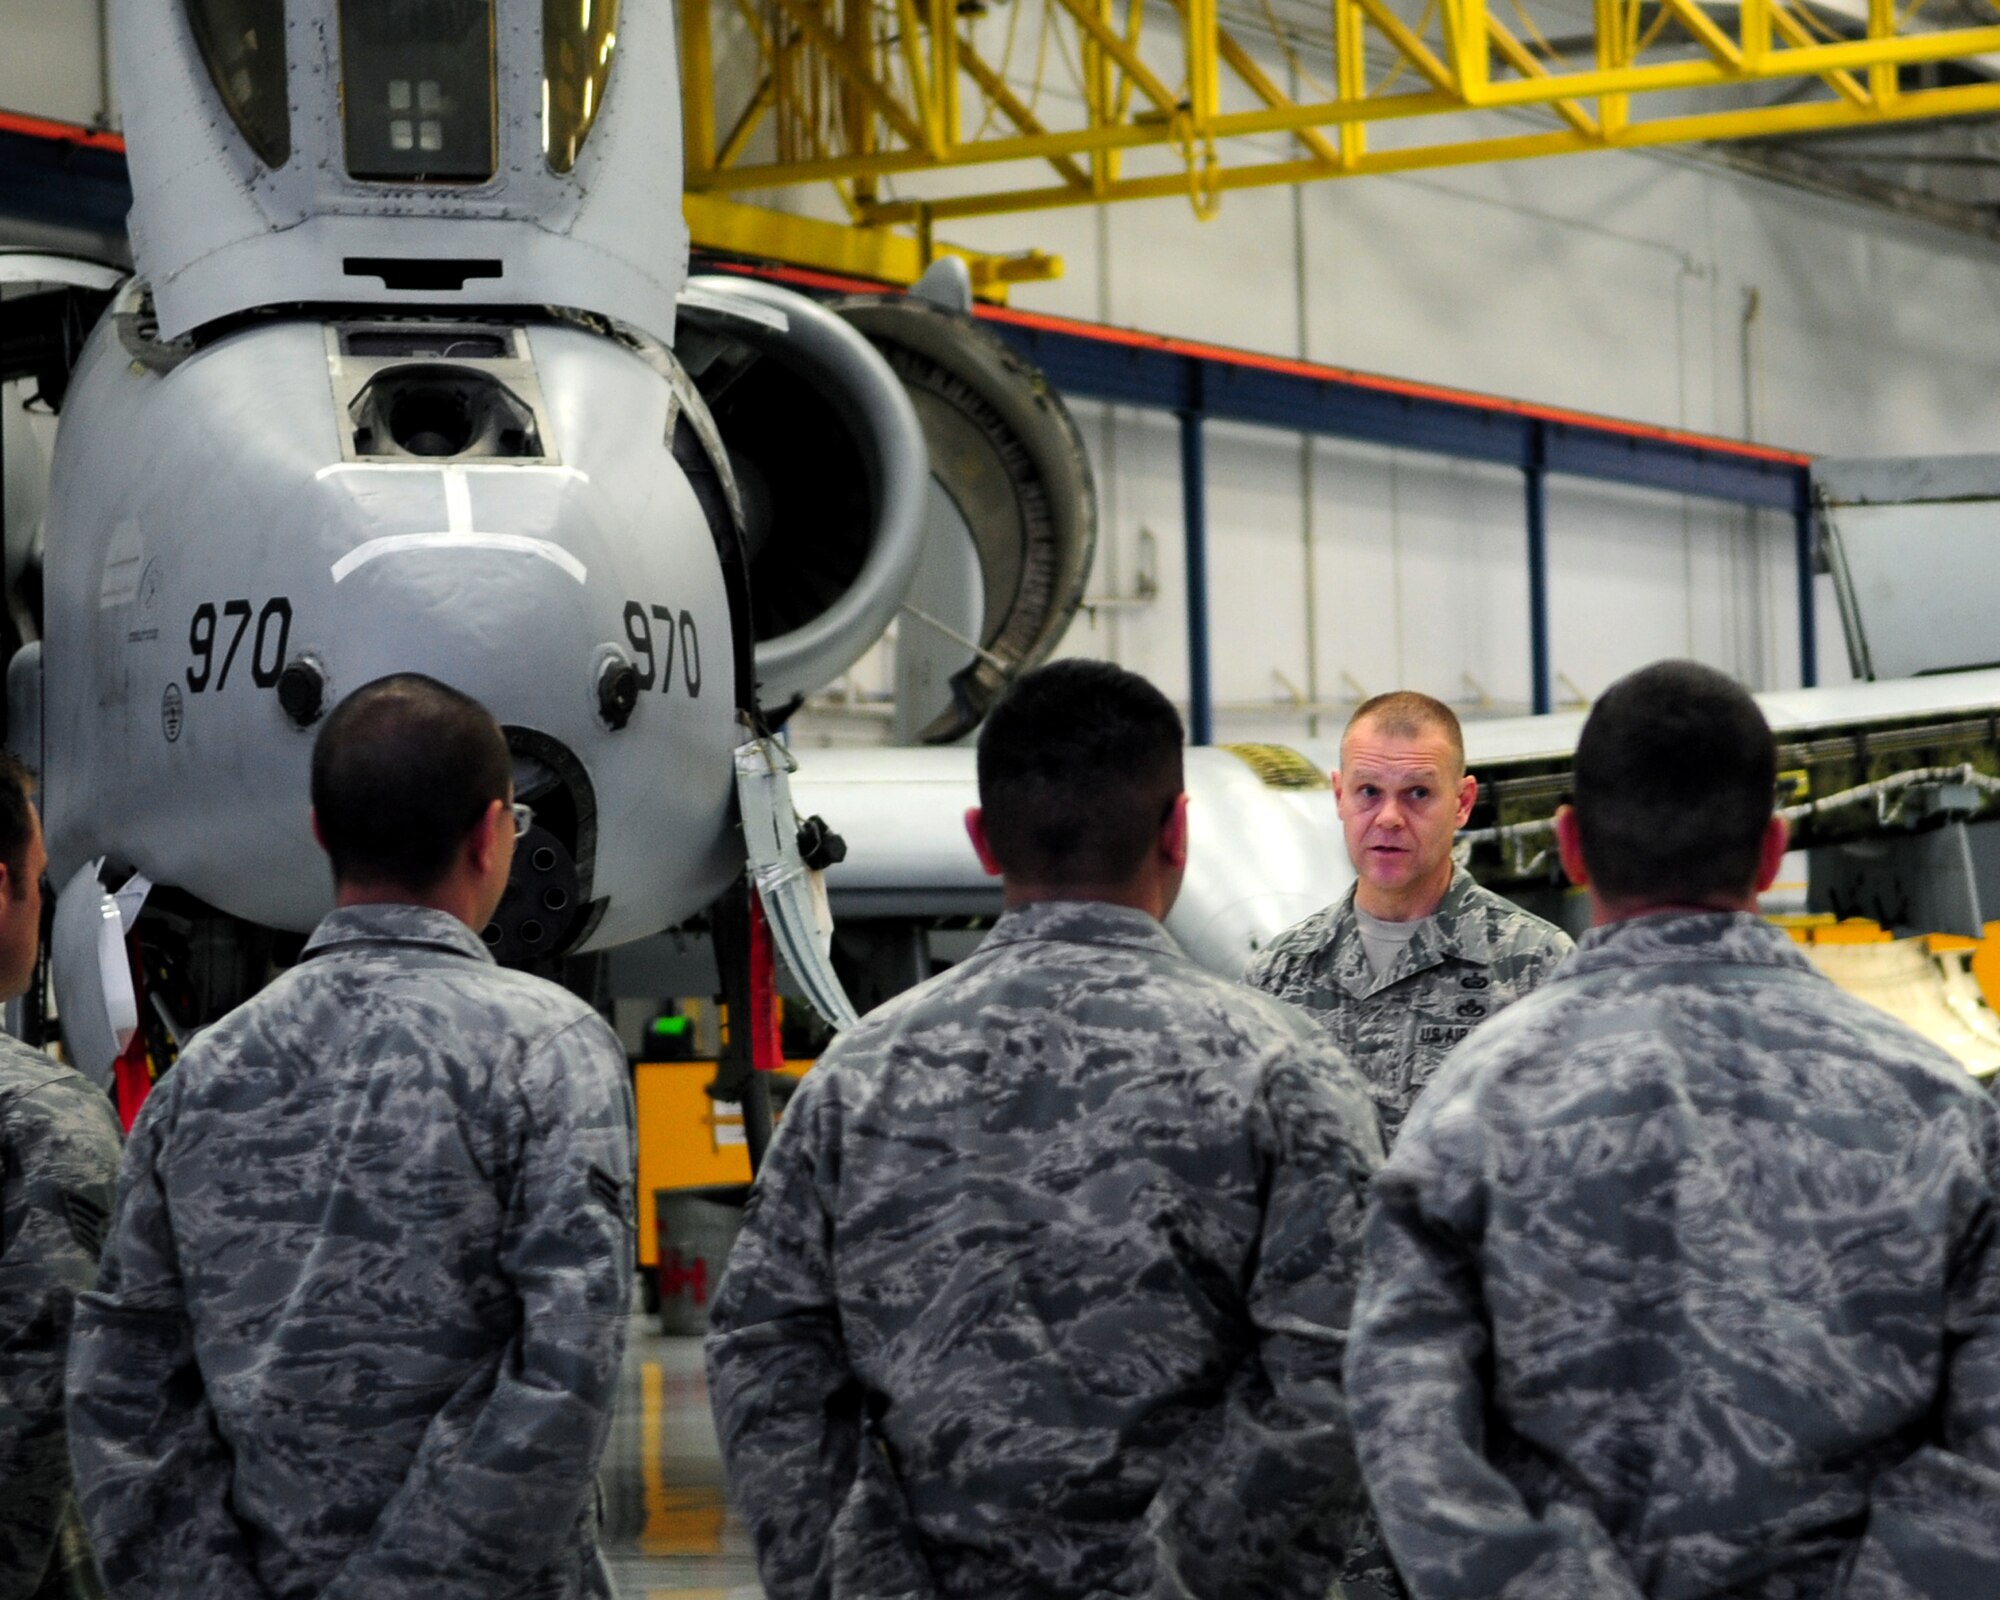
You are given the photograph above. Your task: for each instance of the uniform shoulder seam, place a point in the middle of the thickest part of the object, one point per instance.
(541, 1041)
(1278, 1029)
(34, 1078)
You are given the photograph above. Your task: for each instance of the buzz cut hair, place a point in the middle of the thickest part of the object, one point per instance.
(1676, 778)
(1079, 768)
(402, 770)
(1406, 714)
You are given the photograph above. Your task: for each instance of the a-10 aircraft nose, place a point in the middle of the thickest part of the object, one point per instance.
(496, 507)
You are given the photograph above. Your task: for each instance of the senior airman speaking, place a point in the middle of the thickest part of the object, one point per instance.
(1417, 954)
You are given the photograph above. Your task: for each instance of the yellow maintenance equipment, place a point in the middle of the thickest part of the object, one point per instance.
(1943, 985)
(687, 1140)
(922, 111)
(730, 227)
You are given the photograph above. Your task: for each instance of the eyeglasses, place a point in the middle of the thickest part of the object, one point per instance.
(524, 819)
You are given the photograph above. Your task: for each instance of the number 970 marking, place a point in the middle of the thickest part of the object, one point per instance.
(656, 664)
(208, 629)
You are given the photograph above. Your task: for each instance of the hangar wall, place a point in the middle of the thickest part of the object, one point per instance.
(1650, 286)
(1645, 286)
(54, 63)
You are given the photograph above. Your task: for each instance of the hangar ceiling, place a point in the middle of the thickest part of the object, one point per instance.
(921, 111)
(903, 115)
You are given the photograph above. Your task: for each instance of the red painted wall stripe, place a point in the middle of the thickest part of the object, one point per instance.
(60, 132)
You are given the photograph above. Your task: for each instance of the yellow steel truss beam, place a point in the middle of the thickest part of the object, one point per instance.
(850, 57)
(1350, 35)
(912, 40)
(1844, 84)
(863, 92)
(1127, 57)
(1719, 45)
(748, 122)
(1410, 48)
(1009, 104)
(1525, 62)
(1882, 75)
(866, 252)
(1244, 65)
(1911, 105)
(1465, 35)
(698, 89)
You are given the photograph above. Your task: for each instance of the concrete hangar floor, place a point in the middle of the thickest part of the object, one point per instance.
(668, 1531)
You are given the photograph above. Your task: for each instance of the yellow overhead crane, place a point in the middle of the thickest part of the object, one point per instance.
(1100, 100)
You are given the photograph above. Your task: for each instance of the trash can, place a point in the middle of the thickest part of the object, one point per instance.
(696, 1229)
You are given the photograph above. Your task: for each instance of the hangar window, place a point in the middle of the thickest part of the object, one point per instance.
(243, 42)
(579, 38)
(417, 90)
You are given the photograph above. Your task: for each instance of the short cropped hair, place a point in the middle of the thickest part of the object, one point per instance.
(1079, 766)
(1675, 780)
(1406, 714)
(400, 773)
(17, 820)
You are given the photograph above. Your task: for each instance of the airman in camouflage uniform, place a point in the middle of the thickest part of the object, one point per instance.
(1042, 1290)
(1474, 955)
(1683, 1277)
(358, 1330)
(1470, 957)
(1065, 1234)
(58, 1163)
(1725, 1236)
(1416, 955)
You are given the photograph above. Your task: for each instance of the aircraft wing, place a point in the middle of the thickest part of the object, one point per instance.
(1264, 842)
(1855, 762)
(1866, 760)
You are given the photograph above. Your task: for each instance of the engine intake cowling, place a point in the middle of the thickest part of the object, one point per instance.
(830, 467)
(881, 442)
(1009, 474)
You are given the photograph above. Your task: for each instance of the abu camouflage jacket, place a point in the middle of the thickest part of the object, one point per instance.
(1042, 1291)
(58, 1165)
(358, 1330)
(1476, 955)
(1684, 1280)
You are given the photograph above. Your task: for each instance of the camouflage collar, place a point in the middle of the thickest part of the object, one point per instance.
(396, 924)
(1081, 922)
(1455, 931)
(1737, 937)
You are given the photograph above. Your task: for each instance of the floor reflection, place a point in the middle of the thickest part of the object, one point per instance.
(668, 1530)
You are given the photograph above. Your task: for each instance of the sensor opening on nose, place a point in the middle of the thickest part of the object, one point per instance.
(438, 412)
(431, 421)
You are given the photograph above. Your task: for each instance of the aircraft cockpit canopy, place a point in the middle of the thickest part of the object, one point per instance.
(242, 42)
(417, 92)
(419, 82)
(579, 38)
(436, 154)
